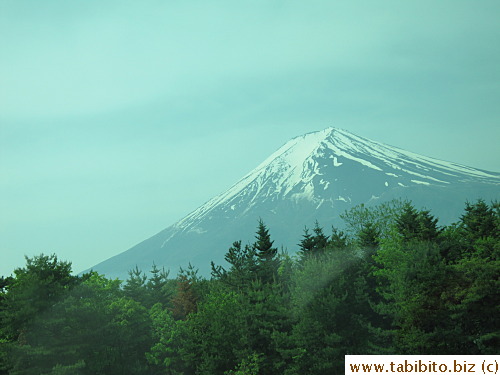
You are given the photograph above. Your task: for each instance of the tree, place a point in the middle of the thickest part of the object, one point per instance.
(268, 322)
(414, 225)
(382, 217)
(413, 278)
(481, 230)
(475, 280)
(94, 329)
(4, 287)
(135, 286)
(267, 261)
(407, 223)
(320, 240)
(480, 221)
(333, 314)
(313, 244)
(452, 243)
(368, 238)
(242, 267)
(248, 366)
(429, 230)
(306, 245)
(74, 369)
(35, 288)
(4, 343)
(218, 332)
(168, 353)
(185, 301)
(158, 286)
(338, 241)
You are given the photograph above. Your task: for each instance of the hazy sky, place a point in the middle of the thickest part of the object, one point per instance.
(117, 118)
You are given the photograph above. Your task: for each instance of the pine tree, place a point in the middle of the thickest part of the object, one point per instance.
(414, 225)
(429, 230)
(266, 254)
(306, 245)
(158, 286)
(480, 221)
(91, 329)
(320, 240)
(408, 223)
(33, 290)
(242, 266)
(338, 241)
(333, 313)
(313, 244)
(369, 237)
(185, 302)
(217, 332)
(135, 286)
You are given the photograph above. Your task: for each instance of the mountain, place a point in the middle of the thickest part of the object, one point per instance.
(312, 177)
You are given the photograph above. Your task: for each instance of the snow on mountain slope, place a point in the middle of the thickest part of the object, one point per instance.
(289, 172)
(315, 176)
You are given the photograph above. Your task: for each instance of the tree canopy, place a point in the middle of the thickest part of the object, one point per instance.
(393, 281)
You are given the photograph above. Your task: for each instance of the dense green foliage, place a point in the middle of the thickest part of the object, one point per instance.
(394, 282)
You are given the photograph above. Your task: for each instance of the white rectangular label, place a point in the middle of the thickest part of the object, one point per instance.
(422, 364)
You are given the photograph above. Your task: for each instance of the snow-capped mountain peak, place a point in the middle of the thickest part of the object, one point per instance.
(311, 165)
(315, 176)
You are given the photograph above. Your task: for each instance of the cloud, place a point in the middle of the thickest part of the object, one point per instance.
(100, 58)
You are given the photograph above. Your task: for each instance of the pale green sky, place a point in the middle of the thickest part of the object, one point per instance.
(117, 118)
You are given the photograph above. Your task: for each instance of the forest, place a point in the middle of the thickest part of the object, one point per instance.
(392, 281)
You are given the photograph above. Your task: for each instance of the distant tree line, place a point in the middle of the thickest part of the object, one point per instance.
(392, 282)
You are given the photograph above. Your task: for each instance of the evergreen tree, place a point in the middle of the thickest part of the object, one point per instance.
(414, 225)
(135, 286)
(368, 237)
(74, 369)
(313, 244)
(320, 240)
(267, 261)
(4, 286)
(480, 221)
(159, 288)
(428, 228)
(306, 245)
(248, 366)
(170, 352)
(338, 240)
(218, 332)
(285, 272)
(474, 293)
(35, 288)
(408, 224)
(333, 314)
(242, 267)
(382, 216)
(268, 320)
(185, 301)
(94, 329)
(472, 300)
(452, 243)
